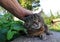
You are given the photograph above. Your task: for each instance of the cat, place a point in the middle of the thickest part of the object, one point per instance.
(35, 25)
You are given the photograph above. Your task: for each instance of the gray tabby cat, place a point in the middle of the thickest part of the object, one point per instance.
(35, 25)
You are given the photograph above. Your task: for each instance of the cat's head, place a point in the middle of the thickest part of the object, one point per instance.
(33, 21)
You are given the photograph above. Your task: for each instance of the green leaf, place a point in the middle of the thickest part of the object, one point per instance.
(3, 30)
(10, 34)
(17, 27)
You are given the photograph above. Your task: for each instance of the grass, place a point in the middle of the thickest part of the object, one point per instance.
(55, 27)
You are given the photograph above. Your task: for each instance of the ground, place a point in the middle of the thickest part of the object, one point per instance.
(52, 38)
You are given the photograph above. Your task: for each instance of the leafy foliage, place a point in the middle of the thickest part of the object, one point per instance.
(26, 4)
(10, 34)
(9, 27)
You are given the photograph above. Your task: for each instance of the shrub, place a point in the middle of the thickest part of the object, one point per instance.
(9, 27)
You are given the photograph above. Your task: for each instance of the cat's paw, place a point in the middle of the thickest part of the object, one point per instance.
(43, 37)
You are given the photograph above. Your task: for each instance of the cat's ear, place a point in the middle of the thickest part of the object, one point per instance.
(25, 18)
(41, 11)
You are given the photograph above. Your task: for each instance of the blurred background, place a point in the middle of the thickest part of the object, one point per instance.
(10, 26)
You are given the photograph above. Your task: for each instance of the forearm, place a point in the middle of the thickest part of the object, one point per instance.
(14, 7)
